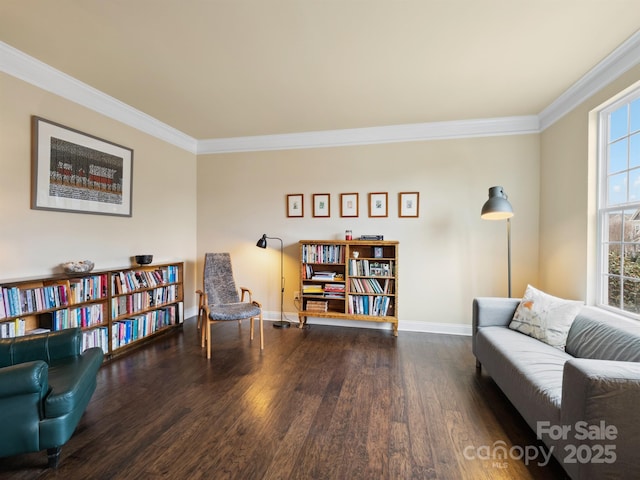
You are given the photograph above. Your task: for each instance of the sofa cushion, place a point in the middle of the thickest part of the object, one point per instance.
(528, 371)
(545, 317)
(71, 380)
(598, 334)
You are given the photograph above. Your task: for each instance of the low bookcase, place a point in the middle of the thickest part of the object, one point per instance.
(350, 279)
(117, 309)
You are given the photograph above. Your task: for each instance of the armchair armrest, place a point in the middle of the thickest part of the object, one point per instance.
(202, 298)
(244, 291)
(602, 396)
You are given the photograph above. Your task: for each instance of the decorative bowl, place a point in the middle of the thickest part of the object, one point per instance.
(144, 259)
(82, 266)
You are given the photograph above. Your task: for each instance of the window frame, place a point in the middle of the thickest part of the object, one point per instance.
(603, 210)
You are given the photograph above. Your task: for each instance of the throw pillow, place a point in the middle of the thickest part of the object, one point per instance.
(545, 317)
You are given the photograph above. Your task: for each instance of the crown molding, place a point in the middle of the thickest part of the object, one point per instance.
(22, 66)
(414, 132)
(622, 59)
(33, 71)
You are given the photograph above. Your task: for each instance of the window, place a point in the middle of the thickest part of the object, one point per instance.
(619, 205)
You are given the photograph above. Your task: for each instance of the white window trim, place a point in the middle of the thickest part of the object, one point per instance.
(601, 209)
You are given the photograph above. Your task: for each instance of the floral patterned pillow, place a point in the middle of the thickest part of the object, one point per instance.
(545, 317)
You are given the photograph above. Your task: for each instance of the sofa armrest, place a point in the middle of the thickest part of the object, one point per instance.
(22, 389)
(24, 378)
(602, 396)
(491, 312)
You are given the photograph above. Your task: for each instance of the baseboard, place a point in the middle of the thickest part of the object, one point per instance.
(403, 325)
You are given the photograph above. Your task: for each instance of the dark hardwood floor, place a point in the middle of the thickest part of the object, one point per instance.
(321, 403)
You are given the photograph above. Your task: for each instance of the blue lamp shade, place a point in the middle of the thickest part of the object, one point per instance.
(497, 207)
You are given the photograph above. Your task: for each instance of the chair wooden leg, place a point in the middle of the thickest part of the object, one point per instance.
(251, 322)
(208, 340)
(205, 325)
(261, 333)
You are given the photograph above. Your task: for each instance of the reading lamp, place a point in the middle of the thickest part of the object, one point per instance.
(262, 243)
(499, 208)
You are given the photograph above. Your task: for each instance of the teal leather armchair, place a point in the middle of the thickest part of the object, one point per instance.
(46, 383)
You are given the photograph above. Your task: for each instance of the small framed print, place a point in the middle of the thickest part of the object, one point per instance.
(378, 252)
(321, 205)
(348, 204)
(408, 204)
(295, 205)
(378, 204)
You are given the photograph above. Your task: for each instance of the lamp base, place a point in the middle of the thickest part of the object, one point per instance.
(281, 324)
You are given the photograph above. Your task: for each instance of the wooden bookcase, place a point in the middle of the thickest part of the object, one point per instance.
(350, 279)
(117, 309)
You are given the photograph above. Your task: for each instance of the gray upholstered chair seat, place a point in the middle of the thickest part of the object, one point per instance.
(233, 311)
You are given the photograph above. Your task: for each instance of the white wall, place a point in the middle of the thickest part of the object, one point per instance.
(35, 242)
(447, 256)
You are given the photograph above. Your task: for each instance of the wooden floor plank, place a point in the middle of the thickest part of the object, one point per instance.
(321, 403)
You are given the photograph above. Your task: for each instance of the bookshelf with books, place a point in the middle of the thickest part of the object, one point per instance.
(350, 279)
(144, 301)
(151, 300)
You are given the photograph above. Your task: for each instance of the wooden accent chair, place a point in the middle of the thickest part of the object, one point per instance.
(219, 300)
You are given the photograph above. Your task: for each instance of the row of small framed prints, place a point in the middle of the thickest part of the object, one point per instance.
(378, 204)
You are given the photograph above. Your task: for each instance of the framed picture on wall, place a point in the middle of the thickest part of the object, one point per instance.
(73, 171)
(295, 205)
(378, 204)
(408, 204)
(348, 204)
(321, 205)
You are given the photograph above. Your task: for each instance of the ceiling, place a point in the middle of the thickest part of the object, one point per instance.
(234, 68)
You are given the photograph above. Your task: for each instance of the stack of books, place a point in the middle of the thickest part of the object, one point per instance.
(312, 289)
(316, 306)
(324, 276)
(334, 290)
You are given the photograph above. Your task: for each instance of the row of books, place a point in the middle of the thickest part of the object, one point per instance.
(88, 316)
(371, 268)
(335, 290)
(15, 301)
(13, 328)
(371, 285)
(369, 305)
(89, 288)
(132, 280)
(139, 301)
(96, 337)
(312, 253)
(123, 332)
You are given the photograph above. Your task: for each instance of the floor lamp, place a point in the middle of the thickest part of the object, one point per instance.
(262, 243)
(499, 208)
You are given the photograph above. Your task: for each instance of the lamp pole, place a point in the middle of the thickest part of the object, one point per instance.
(262, 243)
(509, 254)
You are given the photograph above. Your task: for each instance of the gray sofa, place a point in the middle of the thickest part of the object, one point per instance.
(584, 402)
